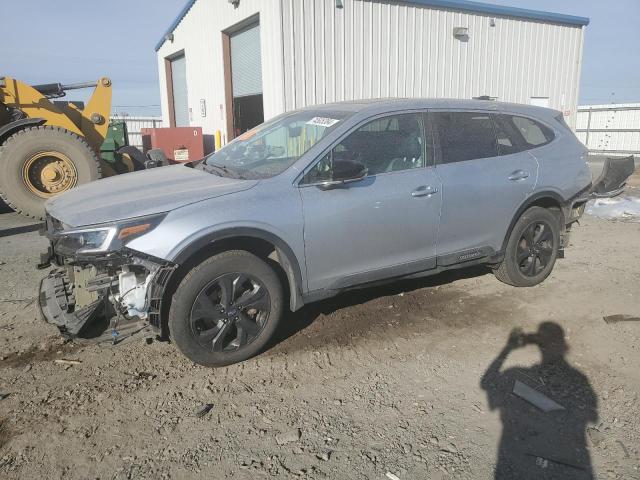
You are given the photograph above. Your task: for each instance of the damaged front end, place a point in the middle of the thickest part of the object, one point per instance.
(96, 281)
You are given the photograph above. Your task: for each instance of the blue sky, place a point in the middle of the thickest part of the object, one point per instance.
(78, 40)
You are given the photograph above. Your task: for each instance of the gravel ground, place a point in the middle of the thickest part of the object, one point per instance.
(402, 380)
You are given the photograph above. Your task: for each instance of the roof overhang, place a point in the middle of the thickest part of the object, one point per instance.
(487, 8)
(175, 23)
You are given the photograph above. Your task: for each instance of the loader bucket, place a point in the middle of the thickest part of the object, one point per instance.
(613, 178)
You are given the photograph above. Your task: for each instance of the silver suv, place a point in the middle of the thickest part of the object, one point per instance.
(310, 204)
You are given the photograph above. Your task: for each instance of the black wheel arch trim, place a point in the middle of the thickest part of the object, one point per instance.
(10, 128)
(528, 202)
(286, 256)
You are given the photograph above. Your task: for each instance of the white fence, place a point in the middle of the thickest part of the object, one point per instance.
(135, 124)
(610, 129)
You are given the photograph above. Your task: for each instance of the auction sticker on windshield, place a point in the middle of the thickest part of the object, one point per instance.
(322, 122)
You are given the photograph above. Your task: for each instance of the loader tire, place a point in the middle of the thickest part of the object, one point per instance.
(38, 163)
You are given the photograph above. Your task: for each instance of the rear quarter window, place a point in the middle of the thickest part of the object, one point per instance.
(533, 133)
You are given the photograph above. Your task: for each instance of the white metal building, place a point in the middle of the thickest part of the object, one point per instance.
(229, 64)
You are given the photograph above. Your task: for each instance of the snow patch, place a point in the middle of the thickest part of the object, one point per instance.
(627, 208)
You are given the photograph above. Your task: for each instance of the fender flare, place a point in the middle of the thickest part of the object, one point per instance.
(286, 256)
(526, 204)
(9, 129)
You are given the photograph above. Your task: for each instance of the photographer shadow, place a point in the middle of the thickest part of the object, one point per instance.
(536, 444)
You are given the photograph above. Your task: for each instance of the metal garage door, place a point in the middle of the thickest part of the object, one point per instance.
(246, 62)
(179, 81)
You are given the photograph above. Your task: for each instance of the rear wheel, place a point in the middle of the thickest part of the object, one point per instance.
(40, 162)
(226, 309)
(532, 249)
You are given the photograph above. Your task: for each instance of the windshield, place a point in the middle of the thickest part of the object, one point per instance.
(271, 148)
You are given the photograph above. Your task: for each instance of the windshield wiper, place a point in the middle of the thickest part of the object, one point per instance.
(220, 170)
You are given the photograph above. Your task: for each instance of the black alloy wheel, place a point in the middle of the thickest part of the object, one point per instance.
(535, 248)
(531, 249)
(227, 308)
(230, 312)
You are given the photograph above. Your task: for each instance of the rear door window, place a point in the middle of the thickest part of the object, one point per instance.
(464, 136)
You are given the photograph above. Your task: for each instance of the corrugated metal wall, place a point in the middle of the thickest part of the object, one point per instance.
(199, 35)
(380, 49)
(313, 52)
(610, 129)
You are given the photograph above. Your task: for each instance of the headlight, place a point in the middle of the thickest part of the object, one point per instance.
(103, 238)
(85, 241)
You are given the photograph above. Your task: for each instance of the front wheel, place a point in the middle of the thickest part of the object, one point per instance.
(532, 249)
(226, 309)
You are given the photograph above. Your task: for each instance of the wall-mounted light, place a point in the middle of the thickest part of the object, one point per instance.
(339, 4)
(168, 37)
(492, 22)
(235, 3)
(461, 33)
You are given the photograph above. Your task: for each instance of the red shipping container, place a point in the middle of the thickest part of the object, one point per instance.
(179, 144)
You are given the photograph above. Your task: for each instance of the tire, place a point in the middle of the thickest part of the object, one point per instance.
(21, 148)
(528, 263)
(208, 328)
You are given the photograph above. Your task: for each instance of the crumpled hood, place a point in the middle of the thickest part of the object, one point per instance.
(140, 193)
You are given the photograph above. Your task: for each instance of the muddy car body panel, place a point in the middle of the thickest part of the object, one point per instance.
(432, 205)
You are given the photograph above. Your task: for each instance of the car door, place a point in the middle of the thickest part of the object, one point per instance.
(383, 225)
(485, 178)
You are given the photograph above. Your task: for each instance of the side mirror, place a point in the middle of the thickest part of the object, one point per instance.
(345, 171)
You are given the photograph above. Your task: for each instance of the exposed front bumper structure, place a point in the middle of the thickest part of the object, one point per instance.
(57, 304)
(119, 286)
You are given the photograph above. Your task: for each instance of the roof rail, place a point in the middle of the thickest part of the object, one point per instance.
(485, 97)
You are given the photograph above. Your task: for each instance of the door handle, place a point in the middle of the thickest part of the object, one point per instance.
(424, 191)
(518, 175)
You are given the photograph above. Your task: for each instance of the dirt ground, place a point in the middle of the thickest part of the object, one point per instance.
(393, 382)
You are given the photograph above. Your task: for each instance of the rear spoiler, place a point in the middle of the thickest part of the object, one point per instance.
(614, 176)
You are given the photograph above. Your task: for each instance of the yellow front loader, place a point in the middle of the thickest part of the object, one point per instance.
(48, 147)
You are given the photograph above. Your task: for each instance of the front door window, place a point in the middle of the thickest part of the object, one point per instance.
(388, 144)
